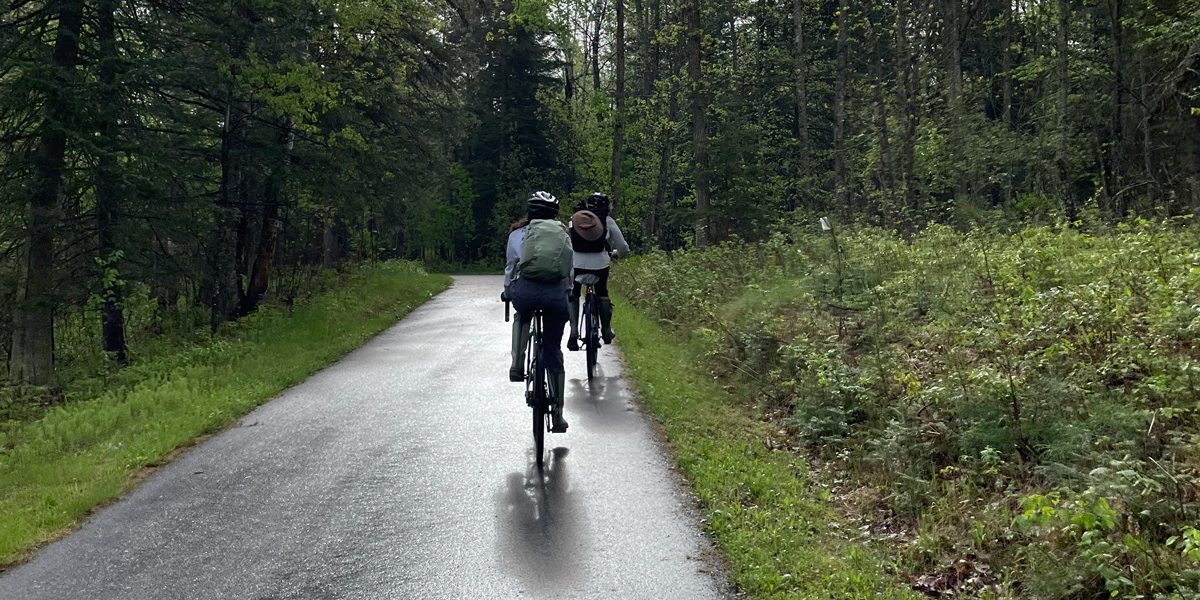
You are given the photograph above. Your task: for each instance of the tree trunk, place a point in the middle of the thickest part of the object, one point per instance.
(1147, 125)
(1113, 165)
(569, 78)
(952, 48)
(1064, 83)
(839, 114)
(906, 91)
(32, 358)
(108, 189)
(952, 40)
(221, 287)
(735, 68)
(652, 225)
(655, 47)
(644, 51)
(1006, 66)
(886, 181)
(599, 19)
(699, 124)
(801, 68)
(264, 258)
(619, 124)
(329, 246)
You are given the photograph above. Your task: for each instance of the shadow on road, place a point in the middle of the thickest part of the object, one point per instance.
(603, 401)
(540, 525)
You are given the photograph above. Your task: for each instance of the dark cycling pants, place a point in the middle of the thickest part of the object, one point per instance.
(528, 296)
(601, 286)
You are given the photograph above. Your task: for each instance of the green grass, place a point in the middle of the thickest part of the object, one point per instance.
(774, 529)
(55, 470)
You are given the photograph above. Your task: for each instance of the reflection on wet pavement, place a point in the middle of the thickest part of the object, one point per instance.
(541, 535)
(604, 401)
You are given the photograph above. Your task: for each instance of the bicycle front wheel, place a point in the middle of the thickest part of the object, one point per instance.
(539, 431)
(540, 407)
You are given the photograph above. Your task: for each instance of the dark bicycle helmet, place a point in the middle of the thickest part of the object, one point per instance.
(596, 200)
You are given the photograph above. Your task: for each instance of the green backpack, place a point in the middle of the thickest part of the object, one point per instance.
(546, 252)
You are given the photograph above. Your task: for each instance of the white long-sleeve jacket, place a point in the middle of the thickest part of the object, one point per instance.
(595, 261)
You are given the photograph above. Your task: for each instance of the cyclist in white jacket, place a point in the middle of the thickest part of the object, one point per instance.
(596, 240)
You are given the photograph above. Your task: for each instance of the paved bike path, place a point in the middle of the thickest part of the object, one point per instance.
(403, 471)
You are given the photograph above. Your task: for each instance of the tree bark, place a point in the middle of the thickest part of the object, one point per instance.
(569, 78)
(1006, 66)
(619, 124)
(599, 19)
(1064, 83)
(264, 258)
(733, 45)
(655, 47)
(1115, 160)
(906, 91)
(652, 225)
(699, 124)
(952, 48)
(644, 51)
(952, 40)
(221, 288)
(32, 358)
(886, 180)
(1147, 124)
(329, 246)
(108, 188)
(839, 113)
(801, 67)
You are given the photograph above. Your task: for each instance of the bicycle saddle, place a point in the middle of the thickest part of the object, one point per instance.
(588, 279)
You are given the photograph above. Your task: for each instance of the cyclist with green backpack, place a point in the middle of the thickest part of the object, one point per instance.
(537, 276)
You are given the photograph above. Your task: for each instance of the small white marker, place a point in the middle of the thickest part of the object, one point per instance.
(825, 226)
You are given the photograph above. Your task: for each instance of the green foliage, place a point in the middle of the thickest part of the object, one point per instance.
(1055, 364)
(759, 502)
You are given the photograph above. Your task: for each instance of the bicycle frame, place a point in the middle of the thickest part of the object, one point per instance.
(537, 388)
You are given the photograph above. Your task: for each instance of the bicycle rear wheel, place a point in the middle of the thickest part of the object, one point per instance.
(537, 397)
(592, 333)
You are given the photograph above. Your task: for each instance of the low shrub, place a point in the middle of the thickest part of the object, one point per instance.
(966, 378)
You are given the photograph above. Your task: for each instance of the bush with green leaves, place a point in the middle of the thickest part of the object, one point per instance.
(965, 375)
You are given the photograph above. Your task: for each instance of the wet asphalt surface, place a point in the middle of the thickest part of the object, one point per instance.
(403, 471)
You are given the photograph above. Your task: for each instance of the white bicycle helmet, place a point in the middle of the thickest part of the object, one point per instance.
(544, 201)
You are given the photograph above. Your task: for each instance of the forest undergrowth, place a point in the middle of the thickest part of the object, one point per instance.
(160, 329)
(1007, 414)
(59, 464)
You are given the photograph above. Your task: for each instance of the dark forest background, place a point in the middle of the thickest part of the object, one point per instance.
(176, 163)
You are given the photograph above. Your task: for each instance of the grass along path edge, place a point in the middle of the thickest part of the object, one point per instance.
(777, 537)
(83, 455)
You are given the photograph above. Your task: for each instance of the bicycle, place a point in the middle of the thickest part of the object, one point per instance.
(537, 390)
(589, 326)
